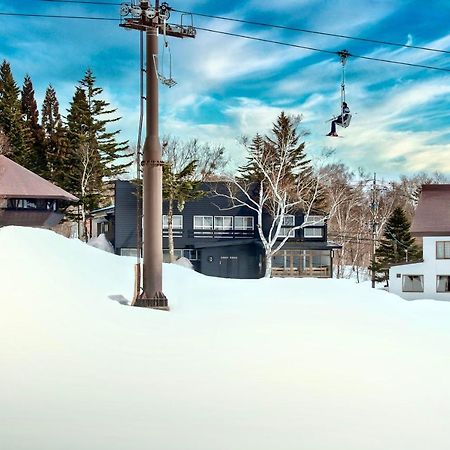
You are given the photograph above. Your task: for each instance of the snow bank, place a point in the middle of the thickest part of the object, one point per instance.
(236, 365)
(101, 243)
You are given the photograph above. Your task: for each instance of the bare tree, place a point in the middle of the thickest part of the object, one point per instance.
(272, 199)
(187, 165)
(89, 162)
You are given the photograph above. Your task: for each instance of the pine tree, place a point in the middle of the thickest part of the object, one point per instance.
(114, 155)
(37, 161)
(397, 245)
(282, 157)
(95, 156)
(252, 171)
(11, 119)
(55, 139)
(86, 172)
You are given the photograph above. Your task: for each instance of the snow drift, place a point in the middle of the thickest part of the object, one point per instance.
(236, 365)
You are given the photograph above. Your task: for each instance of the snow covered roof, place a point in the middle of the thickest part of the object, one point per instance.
(432, 216)
(18, 182)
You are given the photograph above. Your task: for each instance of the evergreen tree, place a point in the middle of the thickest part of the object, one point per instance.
(397, 245)
(281, 156)
(114, 155)
(86, 172)
(252, 171)
(55, 139)
(11, 119)
(95, 155)
(37, 161)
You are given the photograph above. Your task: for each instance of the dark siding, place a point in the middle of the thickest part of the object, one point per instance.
(231, 256)
(125, 215)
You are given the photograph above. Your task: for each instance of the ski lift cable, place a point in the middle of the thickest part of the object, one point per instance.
(304, 47)
(271, 25)
(286, 44)
(303, 30)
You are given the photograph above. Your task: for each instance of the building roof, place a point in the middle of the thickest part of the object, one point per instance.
(432, 216)
(18, 182)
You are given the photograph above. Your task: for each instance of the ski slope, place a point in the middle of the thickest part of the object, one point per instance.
(271, 364)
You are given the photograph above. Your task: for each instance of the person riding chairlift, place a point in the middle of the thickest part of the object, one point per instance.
(340, 119)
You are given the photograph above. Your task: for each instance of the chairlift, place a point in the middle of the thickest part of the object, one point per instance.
(168, 81)
(345, 118)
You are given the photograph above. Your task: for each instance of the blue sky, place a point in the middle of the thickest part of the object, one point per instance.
(229, 87)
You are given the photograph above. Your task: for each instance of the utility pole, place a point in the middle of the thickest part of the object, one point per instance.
(374, 224)
(152, 20)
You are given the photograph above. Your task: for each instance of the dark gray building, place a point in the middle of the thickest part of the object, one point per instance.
(221, 242)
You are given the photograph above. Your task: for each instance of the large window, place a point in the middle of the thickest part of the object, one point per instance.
(443, 249)
(288, 223)
(313, 232)
(223, 222)
(38, 204)
(188, 253)
(412, 283)
(177, 222)
(243, 223)
(203, 222)
(315, 220)
(302, 263)
(443, 283)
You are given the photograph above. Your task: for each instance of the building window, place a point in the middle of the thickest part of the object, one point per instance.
(412, 283)
(443, 283)
(102, 228)
(244, 223)
(128, 252)
(177, 222)
(313, 232)
(188, 253)
(288, 223)
(38, 204)
(223, 222)
(203, 222)
(315, 220)
(443, 249)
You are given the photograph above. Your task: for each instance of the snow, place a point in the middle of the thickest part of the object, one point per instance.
(101, 243)
(235, 365)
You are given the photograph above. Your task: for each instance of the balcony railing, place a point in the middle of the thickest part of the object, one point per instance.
(222, 234)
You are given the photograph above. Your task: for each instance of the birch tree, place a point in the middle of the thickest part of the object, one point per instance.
(276, 181)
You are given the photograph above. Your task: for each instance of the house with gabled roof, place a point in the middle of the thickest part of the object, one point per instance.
(431, 226)
(26, 199)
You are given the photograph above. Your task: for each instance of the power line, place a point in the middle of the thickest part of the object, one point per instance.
(243, 36)
(272, 25)
(52, 16)
(82, 2)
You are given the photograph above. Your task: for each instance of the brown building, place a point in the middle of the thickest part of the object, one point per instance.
(27, 199)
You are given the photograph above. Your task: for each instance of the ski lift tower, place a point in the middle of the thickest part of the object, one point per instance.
(152, 20)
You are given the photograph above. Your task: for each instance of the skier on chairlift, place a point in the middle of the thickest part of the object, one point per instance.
(341, 120)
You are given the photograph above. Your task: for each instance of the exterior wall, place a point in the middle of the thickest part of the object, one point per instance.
(230, 253)
(29, 218)
(430, 268)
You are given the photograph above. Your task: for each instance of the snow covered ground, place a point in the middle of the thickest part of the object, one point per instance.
(278, 364)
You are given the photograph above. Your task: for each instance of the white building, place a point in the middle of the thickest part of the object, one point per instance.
(427, 279)
(431, 277)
